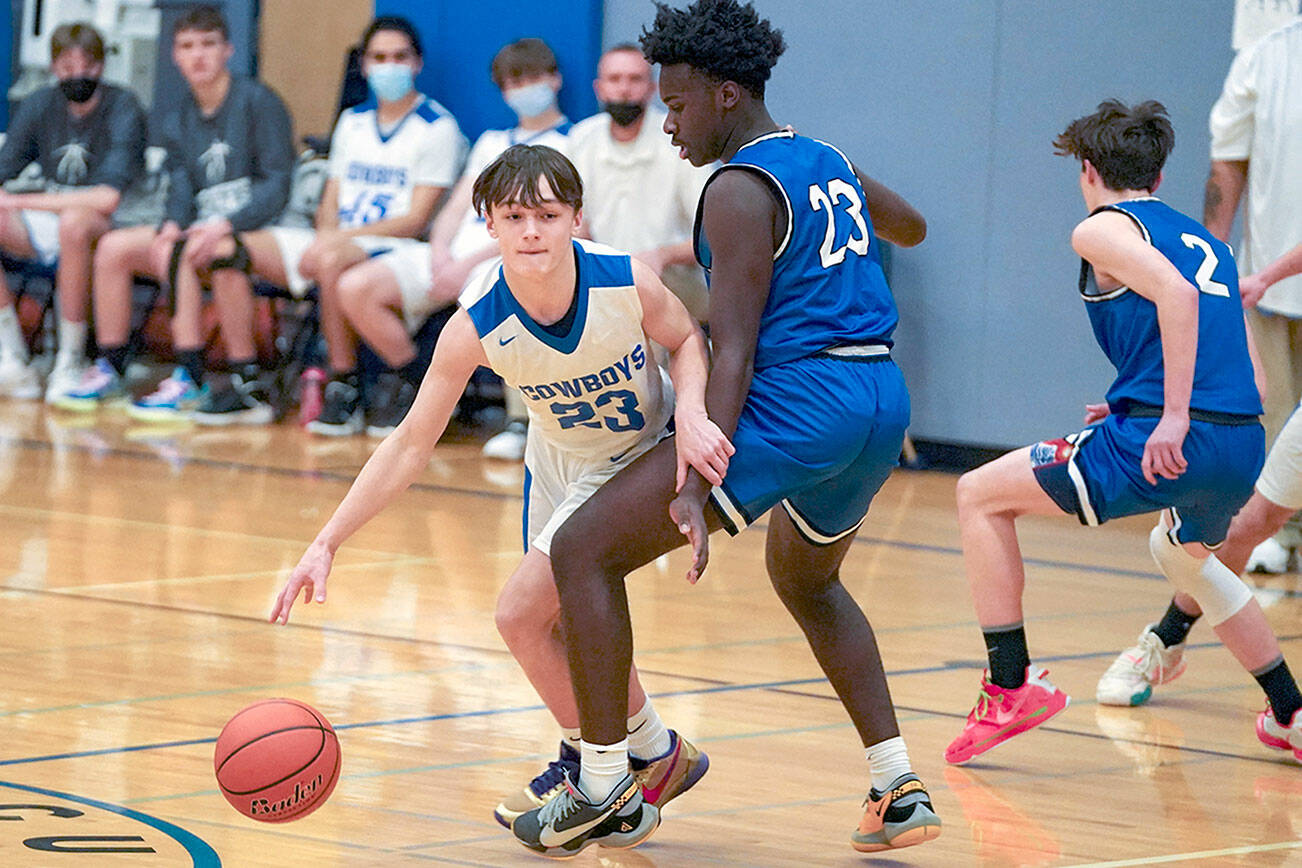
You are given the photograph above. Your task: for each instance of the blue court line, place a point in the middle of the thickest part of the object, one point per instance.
(783, 686)
(200, 852)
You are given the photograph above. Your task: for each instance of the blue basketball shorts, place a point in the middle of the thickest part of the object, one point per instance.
(818, 435)
(1095, 474)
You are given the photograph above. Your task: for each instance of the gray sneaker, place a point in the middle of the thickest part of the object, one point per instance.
(569, 822)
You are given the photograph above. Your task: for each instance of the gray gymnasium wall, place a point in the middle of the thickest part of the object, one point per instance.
(955, 103)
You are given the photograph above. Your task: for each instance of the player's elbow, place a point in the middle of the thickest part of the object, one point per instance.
(914, 231)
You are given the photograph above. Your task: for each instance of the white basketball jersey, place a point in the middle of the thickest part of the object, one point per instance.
(596, 390)
(377, 171)
(472, 234)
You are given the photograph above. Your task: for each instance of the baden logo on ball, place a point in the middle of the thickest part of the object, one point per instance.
(277, 760)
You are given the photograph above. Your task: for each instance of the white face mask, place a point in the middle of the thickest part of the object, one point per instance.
(531, 100)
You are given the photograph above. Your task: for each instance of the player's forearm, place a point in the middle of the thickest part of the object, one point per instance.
(689, 368)
(393, 467)
(1225, 183)
(894, 219)
(1177, 320)
(101, 198)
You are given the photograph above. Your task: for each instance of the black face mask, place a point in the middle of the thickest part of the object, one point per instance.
(79, 90)
(624, 114)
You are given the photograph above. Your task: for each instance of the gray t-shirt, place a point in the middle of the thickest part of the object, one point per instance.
(236, 163)
(107, 146)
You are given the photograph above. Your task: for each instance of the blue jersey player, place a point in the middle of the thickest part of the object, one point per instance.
(801, 322)
(1178, 435)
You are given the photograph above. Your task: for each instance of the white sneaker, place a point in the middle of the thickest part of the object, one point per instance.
(1272, 733)
(18, 378)
(65, 378)
(1269, 557)
(1130, 678)
(509, 444)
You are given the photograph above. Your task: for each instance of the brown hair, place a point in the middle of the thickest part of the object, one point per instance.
(1128, 145)
(203, 19)
(77, 35)
(523, 57)
(514, 178)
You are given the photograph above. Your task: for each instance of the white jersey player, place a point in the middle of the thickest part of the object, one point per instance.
(570, 323)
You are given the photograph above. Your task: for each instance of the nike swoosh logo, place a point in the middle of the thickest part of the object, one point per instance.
(615, 458)
(549, 838)
(652, 794)
(507, 341)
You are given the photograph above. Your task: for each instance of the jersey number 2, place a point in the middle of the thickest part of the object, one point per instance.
(1203, 277)
(826, 200)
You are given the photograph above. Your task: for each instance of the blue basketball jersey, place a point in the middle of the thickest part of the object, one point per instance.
(828, 288)
(1125, 323)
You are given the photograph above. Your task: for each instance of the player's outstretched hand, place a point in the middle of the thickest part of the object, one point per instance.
(1251, 289)
(1095, 412)
(309, 577)
(1164, 453)
(699, 443)
(688, 513)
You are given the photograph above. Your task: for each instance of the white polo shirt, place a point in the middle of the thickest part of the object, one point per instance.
(1258, 118)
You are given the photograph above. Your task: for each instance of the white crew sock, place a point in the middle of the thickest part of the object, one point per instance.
(572, 737)
(11, 334)
(648, 737)
(887, 760)
(72, 343)
(602, 768)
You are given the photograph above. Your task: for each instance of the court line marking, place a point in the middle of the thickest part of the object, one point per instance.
(199, 850)
(779, 686)
(1245, 850)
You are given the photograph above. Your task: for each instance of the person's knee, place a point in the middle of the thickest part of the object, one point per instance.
(970, 493)
(79, 227)
(1217, 590)
(351, 292)
(520, 618)
(111, 252)
(1259, 519)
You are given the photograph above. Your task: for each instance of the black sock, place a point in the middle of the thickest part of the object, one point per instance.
(1281, 690)
(1175, 625)
(1008, 656)
(192, 361)
(350, 377)
(413, 372)
(117, 357)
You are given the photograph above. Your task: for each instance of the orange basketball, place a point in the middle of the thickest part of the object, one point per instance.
(277, 760)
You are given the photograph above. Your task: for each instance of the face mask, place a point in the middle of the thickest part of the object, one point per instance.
(624, 114)
(531, 100)
(391, 81)
(78, 90)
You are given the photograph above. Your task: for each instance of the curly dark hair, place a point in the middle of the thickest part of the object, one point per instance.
(725, 39)
(1128, 145)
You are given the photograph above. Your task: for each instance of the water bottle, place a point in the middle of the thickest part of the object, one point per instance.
(310, 385)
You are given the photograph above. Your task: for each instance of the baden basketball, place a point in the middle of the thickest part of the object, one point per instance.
(277, 760)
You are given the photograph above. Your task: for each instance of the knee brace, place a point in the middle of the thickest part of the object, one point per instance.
(1218, 591)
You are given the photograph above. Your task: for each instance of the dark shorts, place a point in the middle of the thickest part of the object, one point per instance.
(818, 435)
(1095, 474)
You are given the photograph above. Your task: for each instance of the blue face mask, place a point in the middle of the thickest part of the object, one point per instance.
(391, 81)
(531, 100)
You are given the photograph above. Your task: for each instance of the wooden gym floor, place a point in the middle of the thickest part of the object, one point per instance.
(137, 567)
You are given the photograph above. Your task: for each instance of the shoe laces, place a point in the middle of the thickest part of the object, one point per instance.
(556, 773)
(562, 806)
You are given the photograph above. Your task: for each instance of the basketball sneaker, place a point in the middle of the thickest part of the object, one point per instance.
(669, 776)
(18, 378)
(569, 822)
(99, 383)
(1130, 678)
(1272, 734)
(899, 817)
(539, 790)
(172, 401)
(1002, 713)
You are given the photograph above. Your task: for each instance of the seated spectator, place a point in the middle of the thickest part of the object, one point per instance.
(230, 157)
(374, 294)
(640, 195)
(391, 159)
(89, 139)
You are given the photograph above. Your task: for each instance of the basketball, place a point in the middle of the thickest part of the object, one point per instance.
(277, 760)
